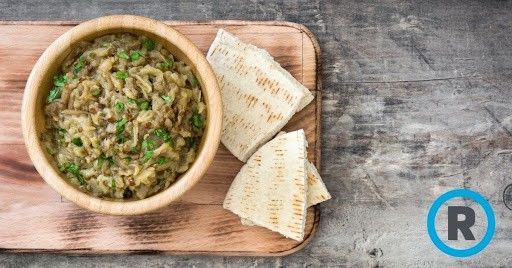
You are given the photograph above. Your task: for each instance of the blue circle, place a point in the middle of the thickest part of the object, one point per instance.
(491, 223)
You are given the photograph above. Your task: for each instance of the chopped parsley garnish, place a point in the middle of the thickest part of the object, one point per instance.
(162, 160)
(197, 120)
(166, 98)
(113, 184)
(74, 170)
(120, 125)
(54, 94)
(148, 155)
(123, 55)
(171, 62)
(119, 106)
(167, 64)
(132, 101)
(143, 105)
(103, 158)
(79, 65)
(121, 75)
(149, 44)
(77, 141)
(60, 80)
(135, 55)
(148, 145)
(192, 80)
(96, 92)
(163, 134)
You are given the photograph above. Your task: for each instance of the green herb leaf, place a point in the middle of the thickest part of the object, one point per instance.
(80, 178)
(96, 92)
(73, 169)
(192, 81)
(54, 94)
(120, 125)
(103, 158)
(121, 75)
(171, 62)
(132, 101)
(61, 133)
(163, 134)
(148, 155)
(162, 160)
(149, 44)
(197, 120)
(167, 64)
(128, 159)
(144, 105)
(79, 65)
(135, 55)
(166, 98)
(60, 80)
(119, 106)
(113, 184)
(123, 55)
(77, 141)
(148, 145)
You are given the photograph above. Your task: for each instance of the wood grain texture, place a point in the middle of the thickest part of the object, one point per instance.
(197, 223)
(405, 84)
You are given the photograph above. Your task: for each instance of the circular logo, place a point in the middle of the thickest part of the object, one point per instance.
(507, 196)
(461, 193)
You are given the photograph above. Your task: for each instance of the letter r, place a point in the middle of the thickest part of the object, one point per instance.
(464, 226)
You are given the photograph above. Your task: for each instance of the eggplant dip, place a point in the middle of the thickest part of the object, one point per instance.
(124, 117)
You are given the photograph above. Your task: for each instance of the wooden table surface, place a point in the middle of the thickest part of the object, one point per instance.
(417, 101)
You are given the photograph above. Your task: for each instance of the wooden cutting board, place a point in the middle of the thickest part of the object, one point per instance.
(33, 217)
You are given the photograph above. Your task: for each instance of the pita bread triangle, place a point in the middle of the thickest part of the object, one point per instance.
(259, 96)
(316, 190)
(270, 189)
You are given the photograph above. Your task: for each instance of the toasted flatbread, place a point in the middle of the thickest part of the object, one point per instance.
(259, 97)
(316, 190)
(270, 189)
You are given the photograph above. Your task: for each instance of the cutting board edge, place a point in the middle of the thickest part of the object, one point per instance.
(93, 252)
(301, 28)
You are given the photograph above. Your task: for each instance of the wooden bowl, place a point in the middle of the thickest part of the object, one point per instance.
(40, 82)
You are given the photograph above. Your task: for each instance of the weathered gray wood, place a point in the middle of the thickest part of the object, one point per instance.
(416, 101)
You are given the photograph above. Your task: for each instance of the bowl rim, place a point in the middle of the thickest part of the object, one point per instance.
(120, 23)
